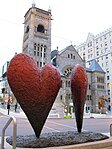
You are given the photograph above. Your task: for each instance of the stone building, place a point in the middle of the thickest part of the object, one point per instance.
(65, 60)
(37, 43)
(37, 35)
(96, 87)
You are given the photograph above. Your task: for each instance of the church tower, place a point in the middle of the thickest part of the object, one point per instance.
(37, 35)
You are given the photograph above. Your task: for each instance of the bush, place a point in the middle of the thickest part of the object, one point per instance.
(67, 116)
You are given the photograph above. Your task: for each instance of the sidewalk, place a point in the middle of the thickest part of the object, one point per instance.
(21, 114)
(94, 115)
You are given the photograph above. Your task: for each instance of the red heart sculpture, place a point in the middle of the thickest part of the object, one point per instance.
(79, 84)
(35, 89)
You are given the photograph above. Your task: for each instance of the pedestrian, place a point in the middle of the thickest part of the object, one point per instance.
(16, 106)
(8, 107)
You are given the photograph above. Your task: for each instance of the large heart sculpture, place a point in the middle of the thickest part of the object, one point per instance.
(35, 89)
(79, 84)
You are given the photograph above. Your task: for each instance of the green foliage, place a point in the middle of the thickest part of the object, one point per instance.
(67, 116)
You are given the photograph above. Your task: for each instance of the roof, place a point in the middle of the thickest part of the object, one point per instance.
(88, 69)
(38, 10)
(61, 51)
(54, 53)
(60, 72)
(95, 67)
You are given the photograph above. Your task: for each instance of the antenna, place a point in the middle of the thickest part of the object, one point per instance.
(33, 3)
(49, 9)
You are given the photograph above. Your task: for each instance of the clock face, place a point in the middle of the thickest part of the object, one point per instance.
(67, 72)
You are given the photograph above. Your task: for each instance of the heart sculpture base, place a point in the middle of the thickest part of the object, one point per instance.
(35, 89)
(57, 139)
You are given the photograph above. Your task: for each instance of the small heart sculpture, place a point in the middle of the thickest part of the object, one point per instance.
(79, 84)
(35, 89)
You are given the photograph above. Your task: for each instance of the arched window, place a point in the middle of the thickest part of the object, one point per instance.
(40, 28)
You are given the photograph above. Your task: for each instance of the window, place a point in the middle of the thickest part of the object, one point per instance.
(39, 49)
(67, 83)
(40, 28)
(35, 46)
(107, 70)
(105, 43)
(100, 86)
(107, 77)
(27, 29)
(107, 63)
(61, 97)
(105, 37)
(45, 51)
(96, 47)
(90, 44)
(37, 63)
(106, 56)
(40, 64)
(97, 53)
(96, 41)
(97, 59)
(100, 79)
(67, 72)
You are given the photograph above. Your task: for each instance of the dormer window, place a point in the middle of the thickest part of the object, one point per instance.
(40, 28)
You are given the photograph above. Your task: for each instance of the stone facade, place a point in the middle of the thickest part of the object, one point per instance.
(37, 42)
(65, 60)
(37, 35)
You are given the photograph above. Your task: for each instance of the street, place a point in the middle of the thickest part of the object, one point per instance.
(101, 125)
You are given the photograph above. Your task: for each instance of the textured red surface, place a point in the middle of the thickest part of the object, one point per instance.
(79, 84)
(34, 89)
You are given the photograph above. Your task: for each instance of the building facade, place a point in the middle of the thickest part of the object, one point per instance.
(37, 43)
(65, 60)
(37, 35)
(99, 47)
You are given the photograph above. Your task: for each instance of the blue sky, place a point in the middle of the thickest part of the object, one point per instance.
(72, 20)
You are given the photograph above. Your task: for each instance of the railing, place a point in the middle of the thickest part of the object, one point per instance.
(11, 118)
(110, 129)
